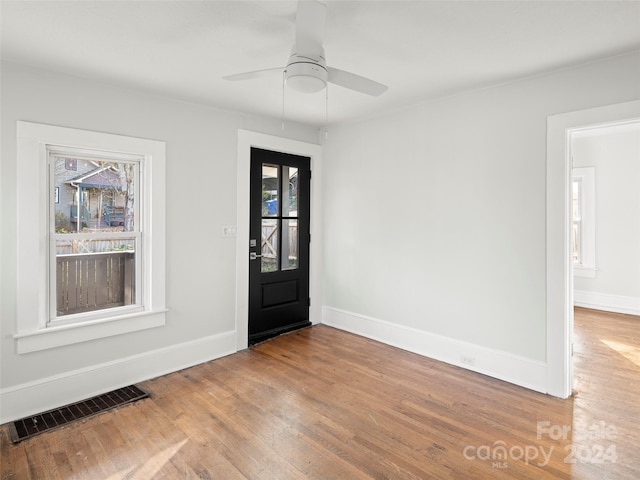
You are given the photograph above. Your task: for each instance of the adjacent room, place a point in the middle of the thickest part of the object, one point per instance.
(320, 239)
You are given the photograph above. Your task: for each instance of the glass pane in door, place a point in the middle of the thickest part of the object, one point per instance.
(289, 191)
(289, 244)
(270, 190)
(269, 244)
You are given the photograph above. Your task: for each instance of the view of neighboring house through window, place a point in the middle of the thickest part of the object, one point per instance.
(95, 237)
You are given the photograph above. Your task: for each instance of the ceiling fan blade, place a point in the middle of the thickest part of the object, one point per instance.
(252, 75)
(355, 82)
(310, 21)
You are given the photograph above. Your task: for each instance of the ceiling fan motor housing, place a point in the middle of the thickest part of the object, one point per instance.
(306, 74)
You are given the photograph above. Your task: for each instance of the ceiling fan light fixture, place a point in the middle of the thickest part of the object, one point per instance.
(307, 69)
(306, 77)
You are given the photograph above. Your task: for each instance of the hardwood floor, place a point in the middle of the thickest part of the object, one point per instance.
(324, 404)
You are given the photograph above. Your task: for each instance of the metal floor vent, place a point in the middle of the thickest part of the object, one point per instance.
(29, 426)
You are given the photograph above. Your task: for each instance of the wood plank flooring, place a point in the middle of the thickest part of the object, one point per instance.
(324, 404)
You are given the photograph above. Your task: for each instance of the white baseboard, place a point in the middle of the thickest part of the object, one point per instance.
(607, 302)
(69, 387)
(528, 373)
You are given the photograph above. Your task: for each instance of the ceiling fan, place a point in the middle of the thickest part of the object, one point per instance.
(306, 70)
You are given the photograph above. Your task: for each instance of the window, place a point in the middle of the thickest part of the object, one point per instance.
(576, 201)
(583, 221)
(91, 229)
(94, 239)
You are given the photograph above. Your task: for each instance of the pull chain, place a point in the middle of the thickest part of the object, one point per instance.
(284, 80)
(326, 112)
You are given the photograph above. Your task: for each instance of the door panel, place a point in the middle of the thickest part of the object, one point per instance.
(279, 244)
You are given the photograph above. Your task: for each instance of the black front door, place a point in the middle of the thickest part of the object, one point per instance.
(279, 244)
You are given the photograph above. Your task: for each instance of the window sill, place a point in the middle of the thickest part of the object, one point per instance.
(582, 271)
(58, 336)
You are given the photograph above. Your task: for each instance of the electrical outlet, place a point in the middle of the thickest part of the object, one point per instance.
(467, 359)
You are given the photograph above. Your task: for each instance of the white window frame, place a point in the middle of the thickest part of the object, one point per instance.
(587, 265)
(58, 152)
(34, 331)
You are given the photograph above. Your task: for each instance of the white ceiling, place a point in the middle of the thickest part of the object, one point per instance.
(420, 49)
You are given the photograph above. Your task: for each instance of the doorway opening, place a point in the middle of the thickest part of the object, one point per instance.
(604, 219)
(560, 294)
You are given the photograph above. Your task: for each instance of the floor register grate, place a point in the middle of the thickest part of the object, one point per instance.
(58, 417)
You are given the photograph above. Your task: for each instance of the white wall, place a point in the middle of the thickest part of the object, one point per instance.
(201, 148)
(615, 154)
(435, 219)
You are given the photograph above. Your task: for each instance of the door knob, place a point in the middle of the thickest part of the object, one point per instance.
(254, 256)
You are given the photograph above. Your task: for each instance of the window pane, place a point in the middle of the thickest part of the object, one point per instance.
(290, 191)
(93, 195)
(269, 244)
(575, 197)
(270, 190)
(576, 201)
(94, 274)
(289, 244)
(575, 243)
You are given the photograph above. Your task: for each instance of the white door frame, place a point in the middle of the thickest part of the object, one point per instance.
(559, 267)
(246, 140)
